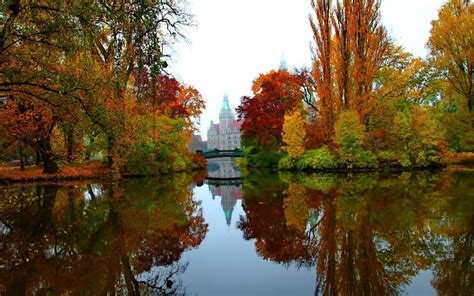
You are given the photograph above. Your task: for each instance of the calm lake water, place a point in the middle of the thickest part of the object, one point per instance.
(268, 234)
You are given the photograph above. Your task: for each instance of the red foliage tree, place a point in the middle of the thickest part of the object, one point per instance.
(274, 94)
(166, 95)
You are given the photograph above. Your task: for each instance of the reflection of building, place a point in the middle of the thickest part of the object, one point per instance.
(224, 135)
(229, 196)
(224, 169)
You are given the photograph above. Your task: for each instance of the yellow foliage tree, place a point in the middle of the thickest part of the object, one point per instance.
(452, 48)
(294, 133)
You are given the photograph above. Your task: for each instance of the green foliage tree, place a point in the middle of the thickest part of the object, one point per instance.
(422, 138)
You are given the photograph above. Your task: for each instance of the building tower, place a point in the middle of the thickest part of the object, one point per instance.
(224, 135)
(283, 64)
(226, 117)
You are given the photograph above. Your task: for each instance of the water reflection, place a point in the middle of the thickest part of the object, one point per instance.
(98, 239)
(326, 234)
(225, 181)
(365, 234)
(222, 168)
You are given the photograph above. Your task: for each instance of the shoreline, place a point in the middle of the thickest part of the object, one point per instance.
(88, 172)
(34, 176)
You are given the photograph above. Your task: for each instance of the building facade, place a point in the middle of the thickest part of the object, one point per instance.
(224, 135)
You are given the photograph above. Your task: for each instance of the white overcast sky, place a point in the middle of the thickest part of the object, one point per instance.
(236, 40)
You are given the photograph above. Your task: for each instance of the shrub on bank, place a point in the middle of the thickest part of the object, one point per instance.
(358, 159)
(317, 159)
(264, 159)
(287, 163)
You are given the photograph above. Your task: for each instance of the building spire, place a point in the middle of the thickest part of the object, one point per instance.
(283, 65)
(225, 103)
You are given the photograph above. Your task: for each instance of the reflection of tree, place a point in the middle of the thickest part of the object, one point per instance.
(123, 239)
(296, 208)
(364, 234)
(454, 270)
(265, 221)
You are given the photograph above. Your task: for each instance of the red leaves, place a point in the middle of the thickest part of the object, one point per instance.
(274, 94)
(165, 95)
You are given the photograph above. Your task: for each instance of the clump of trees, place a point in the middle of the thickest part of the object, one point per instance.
(87, 80)
(370, 104)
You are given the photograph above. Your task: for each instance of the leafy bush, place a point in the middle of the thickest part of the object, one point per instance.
(264, 159)
(287, 163)
(317, 159)
(357, 159)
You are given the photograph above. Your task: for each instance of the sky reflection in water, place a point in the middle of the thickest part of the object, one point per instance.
(276, 234)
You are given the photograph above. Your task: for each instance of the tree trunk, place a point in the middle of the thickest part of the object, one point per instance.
(38, 158)
(88, 152)
(22, 157)
(470, 107)
(49, 159)
(110, 150)
(69, 139)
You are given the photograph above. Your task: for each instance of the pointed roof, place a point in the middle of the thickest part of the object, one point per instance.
(225, 103)
(228, 216)
(283, 64)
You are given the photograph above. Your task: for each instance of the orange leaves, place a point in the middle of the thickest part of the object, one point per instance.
(26, 119)
(347, 61)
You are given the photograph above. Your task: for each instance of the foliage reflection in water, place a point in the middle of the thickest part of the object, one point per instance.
(98, 239)
(366, 234)
(359, 234)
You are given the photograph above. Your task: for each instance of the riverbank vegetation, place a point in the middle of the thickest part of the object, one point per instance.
(366, 103)
(87, 81)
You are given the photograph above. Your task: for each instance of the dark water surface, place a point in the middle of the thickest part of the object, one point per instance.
(270, 234)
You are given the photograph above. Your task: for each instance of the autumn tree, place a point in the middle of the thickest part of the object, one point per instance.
(294, 134)
(322, 69)
(47, 46)
(451, 48)
(167, 96)
(274, 94)
(125, 36)
(370, 48)
(31, 123)
(351, 46)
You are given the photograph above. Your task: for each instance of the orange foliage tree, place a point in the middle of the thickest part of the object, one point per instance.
(31, 123)
(346, 61)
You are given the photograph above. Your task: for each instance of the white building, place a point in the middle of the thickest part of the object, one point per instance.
(224, 135)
